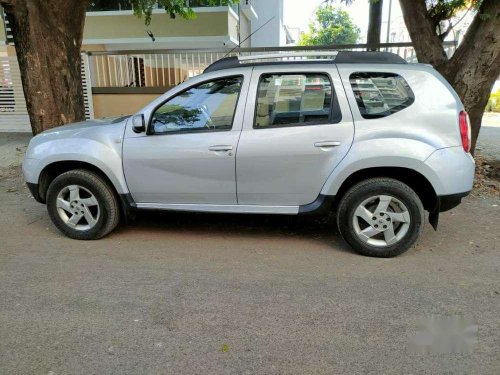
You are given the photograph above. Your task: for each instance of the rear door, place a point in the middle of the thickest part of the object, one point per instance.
(297, 128)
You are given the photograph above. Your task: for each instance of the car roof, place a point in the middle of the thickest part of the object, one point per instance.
(342, 57)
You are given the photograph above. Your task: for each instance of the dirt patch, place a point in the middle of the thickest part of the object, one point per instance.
(487, 179)
(11, 171)
(11, 180)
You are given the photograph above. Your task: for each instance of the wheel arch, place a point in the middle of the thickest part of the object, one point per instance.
(54, 169)
(414, 179)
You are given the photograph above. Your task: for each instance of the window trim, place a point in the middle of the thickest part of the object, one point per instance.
(334, 105)
(150, 131)
(411, 99)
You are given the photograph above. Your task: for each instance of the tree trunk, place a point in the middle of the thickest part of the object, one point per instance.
(48, 36)
(475, 65)
(428, 47)
(374, 24)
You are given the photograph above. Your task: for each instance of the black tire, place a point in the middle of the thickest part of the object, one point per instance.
(109, 215)
(373, 187)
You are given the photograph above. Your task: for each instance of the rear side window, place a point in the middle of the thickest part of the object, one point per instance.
(380, 94)
(294, 100)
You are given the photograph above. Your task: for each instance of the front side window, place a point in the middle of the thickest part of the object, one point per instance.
(209, 106)
(294, 99)
(380, 94)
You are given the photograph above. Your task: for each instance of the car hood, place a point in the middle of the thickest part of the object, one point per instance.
(107, 130)
(86, 129)
(85, 125)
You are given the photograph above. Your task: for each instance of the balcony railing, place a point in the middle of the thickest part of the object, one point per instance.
(108, 5)
(117, 5)
(158, 70)
(138, 71)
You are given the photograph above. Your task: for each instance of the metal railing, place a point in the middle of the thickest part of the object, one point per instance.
(13, 111)
(134, 69)
(157, 70)
(119, 5)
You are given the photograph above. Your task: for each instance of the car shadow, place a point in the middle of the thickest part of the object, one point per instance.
(319, 228)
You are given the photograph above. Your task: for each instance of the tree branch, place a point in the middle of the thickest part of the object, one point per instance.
(444, 34)
(422, 30)
(461, 18)
(481, 39)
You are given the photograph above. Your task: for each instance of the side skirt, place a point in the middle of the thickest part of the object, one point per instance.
(226, 208)
(321, 205)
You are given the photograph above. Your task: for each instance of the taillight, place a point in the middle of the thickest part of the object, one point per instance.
(463, 120)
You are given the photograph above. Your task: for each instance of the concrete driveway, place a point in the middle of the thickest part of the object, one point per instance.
(213, 294)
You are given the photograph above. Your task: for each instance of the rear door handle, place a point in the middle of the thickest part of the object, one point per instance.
(220, 148)
(327, 144)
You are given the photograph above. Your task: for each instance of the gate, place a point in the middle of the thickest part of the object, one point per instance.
(13, 112)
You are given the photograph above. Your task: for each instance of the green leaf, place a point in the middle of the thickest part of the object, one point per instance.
(144, 8)
(331, 25)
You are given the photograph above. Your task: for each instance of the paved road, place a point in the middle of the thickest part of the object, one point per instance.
(489, 141)
(213, 294)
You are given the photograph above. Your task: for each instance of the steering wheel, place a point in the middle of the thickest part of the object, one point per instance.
(204, 111)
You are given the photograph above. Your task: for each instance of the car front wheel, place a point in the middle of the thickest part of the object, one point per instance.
(380, 217)
(82, 205)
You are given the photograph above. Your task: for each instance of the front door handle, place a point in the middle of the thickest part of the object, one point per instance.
(327, 144)
(218, 148)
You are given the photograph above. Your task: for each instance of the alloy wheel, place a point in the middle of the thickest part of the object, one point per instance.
(381, 220)
(77, 207)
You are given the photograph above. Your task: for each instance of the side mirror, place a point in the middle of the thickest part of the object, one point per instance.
(138, 123)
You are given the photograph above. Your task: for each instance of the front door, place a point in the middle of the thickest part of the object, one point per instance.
(294, 135)
(188, 155)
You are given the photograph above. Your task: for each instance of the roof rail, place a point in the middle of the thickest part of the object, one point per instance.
(293, 55)
(341, 57)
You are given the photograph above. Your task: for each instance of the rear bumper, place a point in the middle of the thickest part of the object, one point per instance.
(447, 202)
(451, 171)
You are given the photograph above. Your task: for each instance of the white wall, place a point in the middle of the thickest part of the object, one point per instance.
(272, 34)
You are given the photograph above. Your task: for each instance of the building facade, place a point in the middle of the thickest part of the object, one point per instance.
(111, 25)
(268, 30)
(121, 83)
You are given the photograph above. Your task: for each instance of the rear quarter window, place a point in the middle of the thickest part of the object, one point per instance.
(380, 94)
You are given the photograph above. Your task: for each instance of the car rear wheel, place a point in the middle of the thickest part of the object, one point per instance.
(82, 205)
(380, 217)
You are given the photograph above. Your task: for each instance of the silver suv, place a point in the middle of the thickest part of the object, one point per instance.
(364, 134)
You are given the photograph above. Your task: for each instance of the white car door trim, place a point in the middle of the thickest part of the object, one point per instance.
(228, 208)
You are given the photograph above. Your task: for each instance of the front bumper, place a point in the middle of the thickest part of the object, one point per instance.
(33, 188)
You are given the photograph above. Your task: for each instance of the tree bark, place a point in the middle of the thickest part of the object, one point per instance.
(374, 24)
(428, 47)
(474, 66)
(48, 37)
